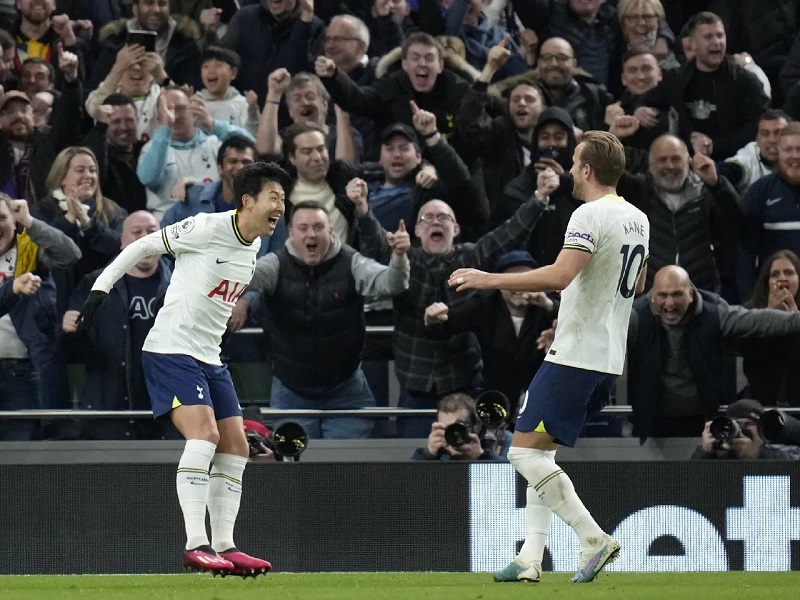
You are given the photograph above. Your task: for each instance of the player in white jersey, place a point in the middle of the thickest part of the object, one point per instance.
(215, 257)
(600, 268)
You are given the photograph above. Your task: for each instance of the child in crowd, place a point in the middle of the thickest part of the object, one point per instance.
(220, 66)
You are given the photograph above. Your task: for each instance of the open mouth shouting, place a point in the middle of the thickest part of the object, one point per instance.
(273, 221)
(422, 80)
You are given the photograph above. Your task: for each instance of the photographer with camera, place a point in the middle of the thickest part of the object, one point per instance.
(457, 433)
(738, 435)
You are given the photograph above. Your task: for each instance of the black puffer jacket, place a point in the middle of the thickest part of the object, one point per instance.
(766, 29)
(699, 237)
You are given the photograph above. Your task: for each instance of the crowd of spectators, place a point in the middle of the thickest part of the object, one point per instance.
(448, 123)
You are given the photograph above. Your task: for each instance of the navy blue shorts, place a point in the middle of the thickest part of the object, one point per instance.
(175, 380)
(560, 399)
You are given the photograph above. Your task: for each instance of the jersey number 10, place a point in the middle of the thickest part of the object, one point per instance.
(626, 287)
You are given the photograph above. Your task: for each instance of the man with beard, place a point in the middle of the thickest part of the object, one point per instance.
(512, 131)
(756, 159)
(563, 84)
(694, 213)
(176, 42)
(115, 143)
(547, 178)
(270, 35)
(38, 35)
(772, 214)
(718, 101)
(26, 152)
(307, 101)
(114, 373)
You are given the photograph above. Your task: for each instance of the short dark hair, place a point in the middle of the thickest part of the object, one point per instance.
(423, 39)
(605, 154)
(295, 130)
(237, 142)
(704, 17)
(633, 53)
(40, 61)
(119, 99)
(773, 114)
(221, 54)
(252, 179)
(307, 205)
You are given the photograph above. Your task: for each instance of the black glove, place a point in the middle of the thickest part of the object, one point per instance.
(86, 320)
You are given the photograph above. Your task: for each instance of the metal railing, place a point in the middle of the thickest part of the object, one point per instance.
(371, 413)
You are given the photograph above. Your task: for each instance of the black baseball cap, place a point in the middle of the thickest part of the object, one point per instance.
(400, 129)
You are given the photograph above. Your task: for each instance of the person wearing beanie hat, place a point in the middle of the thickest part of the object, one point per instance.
(546, 176)
(748, 444)
(507, 325)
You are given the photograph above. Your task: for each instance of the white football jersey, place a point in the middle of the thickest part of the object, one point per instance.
(213, 267)
(596, 307)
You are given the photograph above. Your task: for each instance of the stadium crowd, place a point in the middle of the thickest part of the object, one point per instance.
(455, 119)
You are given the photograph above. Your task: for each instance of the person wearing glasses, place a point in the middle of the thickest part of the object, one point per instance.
(582, 97)
(644, 29)
(347, 42)
(427, 366)
(588, 26)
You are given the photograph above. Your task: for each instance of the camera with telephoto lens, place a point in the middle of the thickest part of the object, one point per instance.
(491, 412)
(779, 427)
(725, 429)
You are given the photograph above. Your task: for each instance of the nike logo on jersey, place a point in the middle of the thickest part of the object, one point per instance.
(222, 262)
(772, 201)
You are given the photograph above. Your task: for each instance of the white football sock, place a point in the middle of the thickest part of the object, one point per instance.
(556, 491)
(192, 484)
(224, 497)
(537, 525)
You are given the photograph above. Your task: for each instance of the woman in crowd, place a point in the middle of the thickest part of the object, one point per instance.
(75, 205)
(770, 364)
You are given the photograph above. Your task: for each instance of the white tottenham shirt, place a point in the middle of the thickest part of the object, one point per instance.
(595, 308)
(213, 267)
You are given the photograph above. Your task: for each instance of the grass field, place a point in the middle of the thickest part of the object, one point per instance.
(403, 586)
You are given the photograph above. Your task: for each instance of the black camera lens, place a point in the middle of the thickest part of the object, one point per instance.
(492, 408)
(457, 434)
(725, 429)
(290, 439)
(779, 427)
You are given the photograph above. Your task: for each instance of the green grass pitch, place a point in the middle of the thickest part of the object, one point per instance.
(403, 586)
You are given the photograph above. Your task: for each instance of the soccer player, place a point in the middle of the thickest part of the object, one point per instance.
(600, 267)
(215, 257)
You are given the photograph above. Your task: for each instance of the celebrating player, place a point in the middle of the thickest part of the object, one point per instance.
(600, 267)
(215, 257)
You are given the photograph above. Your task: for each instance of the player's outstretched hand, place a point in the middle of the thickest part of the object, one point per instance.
(470, 279)
(86, 320)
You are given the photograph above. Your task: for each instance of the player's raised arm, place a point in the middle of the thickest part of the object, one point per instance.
(552, 277)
